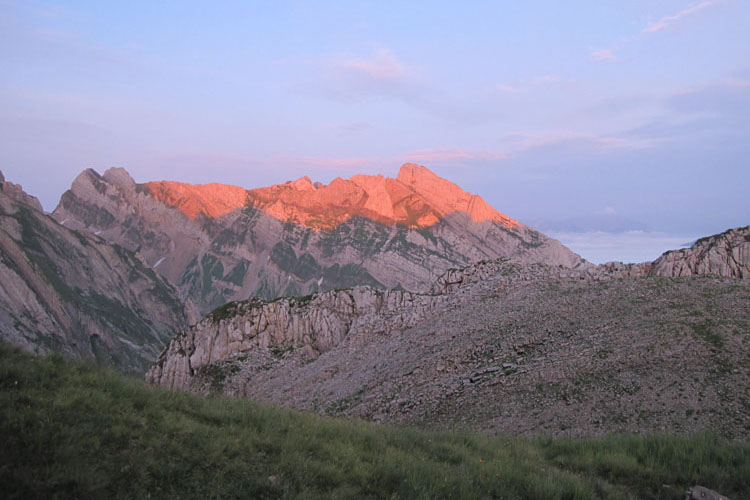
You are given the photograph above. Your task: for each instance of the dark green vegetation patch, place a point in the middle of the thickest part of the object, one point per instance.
(72, 430)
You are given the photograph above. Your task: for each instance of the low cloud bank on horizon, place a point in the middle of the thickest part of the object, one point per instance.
(629, 247)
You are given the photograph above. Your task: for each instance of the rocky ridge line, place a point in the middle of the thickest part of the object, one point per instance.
(320, 322)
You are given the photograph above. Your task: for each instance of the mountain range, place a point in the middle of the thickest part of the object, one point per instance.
(397, 300)
(218, 243)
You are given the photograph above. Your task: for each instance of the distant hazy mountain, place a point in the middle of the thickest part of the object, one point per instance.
(218, 242)
(73, 293)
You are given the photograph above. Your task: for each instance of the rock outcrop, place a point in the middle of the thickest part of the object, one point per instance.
(314, 324)
(725, 254)
(703, 493)
(16, 192)
(73, 293)
(219, 243)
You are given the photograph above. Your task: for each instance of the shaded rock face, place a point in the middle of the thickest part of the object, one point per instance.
(499, 346)
(219, 243)
(73, 293)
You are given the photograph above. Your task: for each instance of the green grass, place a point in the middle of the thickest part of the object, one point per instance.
(72, 430)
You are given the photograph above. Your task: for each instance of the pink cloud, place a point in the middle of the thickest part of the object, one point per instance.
(451, 154)
(382, 66)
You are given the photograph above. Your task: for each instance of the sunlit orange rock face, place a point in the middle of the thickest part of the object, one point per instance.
(214, 200)
(417, 198)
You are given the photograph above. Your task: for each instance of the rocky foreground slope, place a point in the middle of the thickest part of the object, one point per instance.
(498, 346)
(73, 293)
(218, 243)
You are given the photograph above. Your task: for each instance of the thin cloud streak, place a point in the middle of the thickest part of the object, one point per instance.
(664, 22)
(382, 66)
(380, 75)
(437, 155)
(605, 55)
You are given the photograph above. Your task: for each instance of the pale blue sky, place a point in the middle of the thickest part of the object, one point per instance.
(548, 109)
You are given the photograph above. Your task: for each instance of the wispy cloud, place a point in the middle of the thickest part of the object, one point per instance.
(438, 155)
(605, 55)
(381, 74)
(383, 65)
(317, 162)
(521, 141)
(664, 22)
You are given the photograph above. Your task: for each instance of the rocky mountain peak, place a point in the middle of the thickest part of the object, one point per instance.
(411, 173)
(119, 176)
(303, 184)
(16, 192)
(447, 197)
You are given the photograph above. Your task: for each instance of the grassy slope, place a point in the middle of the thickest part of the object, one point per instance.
(74, 430)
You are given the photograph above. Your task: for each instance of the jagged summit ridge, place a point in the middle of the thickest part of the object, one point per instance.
(417, 198)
